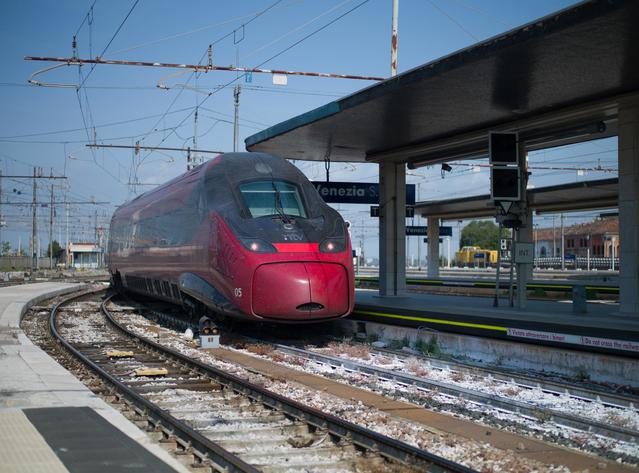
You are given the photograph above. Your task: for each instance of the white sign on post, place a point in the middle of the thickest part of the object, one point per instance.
(524, 253)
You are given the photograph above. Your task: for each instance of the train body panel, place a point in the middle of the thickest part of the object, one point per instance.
(245, 234)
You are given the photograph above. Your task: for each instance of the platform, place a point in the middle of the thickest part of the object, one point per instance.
(602, 286)
(553, 323)
(45, 412)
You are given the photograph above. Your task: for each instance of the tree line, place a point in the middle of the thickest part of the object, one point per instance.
(481, 233)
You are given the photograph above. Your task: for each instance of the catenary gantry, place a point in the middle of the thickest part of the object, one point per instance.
(568, 77)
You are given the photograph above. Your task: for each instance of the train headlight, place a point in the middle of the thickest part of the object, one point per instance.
(333, 245)
(257, 245)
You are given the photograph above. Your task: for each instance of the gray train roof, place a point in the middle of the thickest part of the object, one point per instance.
(554, 75)
(586, 195)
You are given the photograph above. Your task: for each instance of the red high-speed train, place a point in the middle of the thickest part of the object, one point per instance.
(244, 235)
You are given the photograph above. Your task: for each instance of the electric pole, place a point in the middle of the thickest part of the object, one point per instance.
(394, 38)
(34, 229)
(1, 222)
(236, 123)
(68, 254)
(194, 158)
(51, 230)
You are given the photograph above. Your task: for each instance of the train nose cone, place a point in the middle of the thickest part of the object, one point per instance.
(300, 290)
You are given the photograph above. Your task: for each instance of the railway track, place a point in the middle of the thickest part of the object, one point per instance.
(223, 422)
(493, 400)
(601, 426)
(597, 394)
(496, 377)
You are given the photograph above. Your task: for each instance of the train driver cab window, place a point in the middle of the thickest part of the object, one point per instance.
(269, 197)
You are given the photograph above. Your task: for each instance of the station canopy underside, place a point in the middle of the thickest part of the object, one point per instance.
(586, 195)
(555, 80)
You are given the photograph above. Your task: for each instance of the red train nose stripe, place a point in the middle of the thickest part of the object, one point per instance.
(296, 247)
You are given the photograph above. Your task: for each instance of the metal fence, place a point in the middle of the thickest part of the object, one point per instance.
(21, 262)
(579, 262)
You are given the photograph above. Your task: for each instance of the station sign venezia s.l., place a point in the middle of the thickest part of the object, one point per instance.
(417, 230)
(356, 192)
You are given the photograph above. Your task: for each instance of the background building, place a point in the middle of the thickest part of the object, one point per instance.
(84, 255)
(595, 240)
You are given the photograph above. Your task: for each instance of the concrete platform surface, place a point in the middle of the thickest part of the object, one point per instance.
(85, 442)
(603, 315)
(29, 378)
(602, 327)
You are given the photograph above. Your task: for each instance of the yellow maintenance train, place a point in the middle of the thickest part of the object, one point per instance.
(475, 256)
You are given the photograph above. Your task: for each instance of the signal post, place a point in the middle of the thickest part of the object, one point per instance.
(508, 183)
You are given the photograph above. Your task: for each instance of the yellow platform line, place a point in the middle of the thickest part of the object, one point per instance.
(438, 282)
(434, 321)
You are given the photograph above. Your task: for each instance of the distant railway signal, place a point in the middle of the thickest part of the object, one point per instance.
(505, 171)
(505, 184)
(502, 149)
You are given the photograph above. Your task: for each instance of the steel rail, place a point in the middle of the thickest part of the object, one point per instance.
(222, 460)
(548, 386)
(364, 438)
(528, 382)
(568, 420)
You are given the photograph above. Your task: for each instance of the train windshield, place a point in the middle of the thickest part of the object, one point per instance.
(269, 197)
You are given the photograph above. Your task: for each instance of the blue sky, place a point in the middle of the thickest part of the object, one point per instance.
(35, 120)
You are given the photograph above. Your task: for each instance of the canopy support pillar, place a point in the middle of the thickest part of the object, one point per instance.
(629, 207)
(392, 229)
(433, 247)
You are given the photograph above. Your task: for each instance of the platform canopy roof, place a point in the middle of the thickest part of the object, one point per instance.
(586, 195)
(556, 80)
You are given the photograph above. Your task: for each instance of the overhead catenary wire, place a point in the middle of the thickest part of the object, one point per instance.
(83, 80)
(257, 15)
(203, 90)
(125, 137)
(137, 147)
(225, 85)
(104, 125)
(85, 18)
(30, 166)
(459, 25)
(288, 33)
(135, 3)
(182, 34)
(481, 11)
(232, 81)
